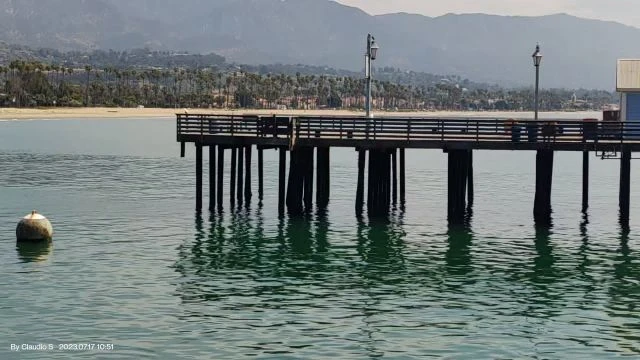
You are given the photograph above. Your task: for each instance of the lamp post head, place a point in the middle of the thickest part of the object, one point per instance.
(374, 49)
(537, 56)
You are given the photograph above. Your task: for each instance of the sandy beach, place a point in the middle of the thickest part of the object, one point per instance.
(98, 113)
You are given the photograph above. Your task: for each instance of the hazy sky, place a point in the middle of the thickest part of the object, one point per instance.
(624, 11)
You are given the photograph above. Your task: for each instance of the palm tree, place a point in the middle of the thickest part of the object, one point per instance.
(87, 69)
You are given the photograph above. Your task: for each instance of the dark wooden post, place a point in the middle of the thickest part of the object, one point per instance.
(247, 169)
(373, 183)
(308, 179)
(296, 182)
(625, 187)
(281, 180)
(323, 177)
(544, 179)
(212, 177)
(198, 177)
(585, 181)
(232, 183)
(387, 181)
(394, 169)
(470, 189)
(182, 149)
(402, 177)
(457, 185)
(362, 155)
(261, 174)
(240, 175)
(220, 176)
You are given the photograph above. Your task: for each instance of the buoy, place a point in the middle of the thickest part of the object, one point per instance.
(34, 227)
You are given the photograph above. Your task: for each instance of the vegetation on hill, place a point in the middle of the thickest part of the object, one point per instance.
(34, 83)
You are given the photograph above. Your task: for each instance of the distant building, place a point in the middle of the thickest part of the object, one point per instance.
(628, 85)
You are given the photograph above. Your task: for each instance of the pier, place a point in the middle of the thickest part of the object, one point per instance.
(380, 146)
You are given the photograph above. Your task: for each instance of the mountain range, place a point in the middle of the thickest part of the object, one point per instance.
(486, 48)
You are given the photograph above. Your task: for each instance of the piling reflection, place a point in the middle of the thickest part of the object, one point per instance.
(29, 252)
(234, 244)
(624, 296)
(458, 255)
(380, 246)
(584, 264)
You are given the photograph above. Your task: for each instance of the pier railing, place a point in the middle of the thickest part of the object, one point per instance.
(409, 129)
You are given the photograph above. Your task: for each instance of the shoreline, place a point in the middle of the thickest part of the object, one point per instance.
(127, 113)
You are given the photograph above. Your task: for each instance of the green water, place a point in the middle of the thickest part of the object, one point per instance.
(132, 265)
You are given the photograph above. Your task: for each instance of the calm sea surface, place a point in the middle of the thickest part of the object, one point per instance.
(132, 265)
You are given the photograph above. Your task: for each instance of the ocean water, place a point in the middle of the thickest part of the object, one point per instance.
(133, 267)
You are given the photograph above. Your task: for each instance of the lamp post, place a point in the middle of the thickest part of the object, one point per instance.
(372, 53)
(537, 59)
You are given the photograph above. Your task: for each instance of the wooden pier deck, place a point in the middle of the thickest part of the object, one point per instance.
(382, 139)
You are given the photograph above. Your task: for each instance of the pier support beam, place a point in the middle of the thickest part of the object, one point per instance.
(260, 175)
(585, 181)
(247, 169)
(323, 177)
(295, 186)
(308, 179)
(220, 176)
(457, 185)
(212, 177)
(544, 179)
(281, 179)
(394, 170)
(198, 177)
(240, 188)
(362, 156)
(402, 178)
(625, 187)
(378, 197)
(470, 185)
(387, 180)
(232, 182)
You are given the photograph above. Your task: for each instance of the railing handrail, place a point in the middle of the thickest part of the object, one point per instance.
(408, 128)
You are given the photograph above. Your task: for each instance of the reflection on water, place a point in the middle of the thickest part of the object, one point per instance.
(34, 251)
(624, 293)
(240, 267)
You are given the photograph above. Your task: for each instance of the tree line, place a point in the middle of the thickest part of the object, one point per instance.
(39, 84)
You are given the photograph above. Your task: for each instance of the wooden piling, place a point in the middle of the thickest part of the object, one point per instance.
(281, 180)
(247, 169)
(182, 149)
(260, 174)
(394, 170)
(212, 177)
(308, 179)
(362, 156)
(458, 170)
(379, 183)
(220, 176)
(470, 185)
(240, 187)
(387, 181)
(323, 177)
(232, 182)
(295, 186)
(544, 179)
(402, 177)
(198, 177)
(585, 181)
(370, 179)
(625, 187)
